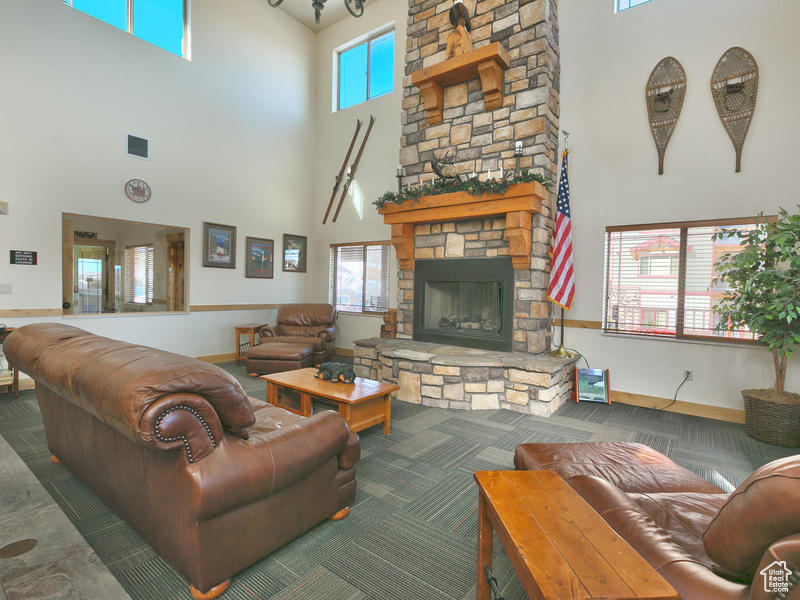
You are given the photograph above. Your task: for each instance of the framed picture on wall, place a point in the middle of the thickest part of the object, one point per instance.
(219, 245)
(260, 258)
(295, 251)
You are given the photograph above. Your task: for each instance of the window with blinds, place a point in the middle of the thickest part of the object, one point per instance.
(359, 277)
(138, 278)
(661, 279)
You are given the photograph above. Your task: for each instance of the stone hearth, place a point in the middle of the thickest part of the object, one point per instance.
(466, 378)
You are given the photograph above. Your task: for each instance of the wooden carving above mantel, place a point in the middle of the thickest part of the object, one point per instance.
(487, 62)
(517, 205)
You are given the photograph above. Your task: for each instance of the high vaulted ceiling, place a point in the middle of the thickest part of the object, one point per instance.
(333, 12)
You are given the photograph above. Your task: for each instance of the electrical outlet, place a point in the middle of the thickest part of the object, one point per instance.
(5, 288)
(688, 375)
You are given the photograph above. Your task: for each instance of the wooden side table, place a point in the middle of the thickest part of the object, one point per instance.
(250, 330)
(559, 546)
(10, 380)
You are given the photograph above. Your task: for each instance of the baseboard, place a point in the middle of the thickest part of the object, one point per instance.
(719, 413)
(218, 358)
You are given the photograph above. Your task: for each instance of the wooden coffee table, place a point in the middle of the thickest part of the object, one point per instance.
(559, 546)
(363, 403)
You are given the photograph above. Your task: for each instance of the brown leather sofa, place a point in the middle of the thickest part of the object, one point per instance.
(709, 544)
(212, 479)
(307, 323)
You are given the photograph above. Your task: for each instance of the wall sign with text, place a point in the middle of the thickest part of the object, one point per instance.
(23, 257)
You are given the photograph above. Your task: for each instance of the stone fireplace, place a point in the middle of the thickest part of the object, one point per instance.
(474, 322)
(509, 235)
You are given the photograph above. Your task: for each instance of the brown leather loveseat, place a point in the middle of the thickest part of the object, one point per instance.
(306, 323)
(708, 544)
(212, 479)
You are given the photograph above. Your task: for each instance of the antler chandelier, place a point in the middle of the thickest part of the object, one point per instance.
(354, 7)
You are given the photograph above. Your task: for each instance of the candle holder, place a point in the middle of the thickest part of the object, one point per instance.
(517, 155)
(399, 176)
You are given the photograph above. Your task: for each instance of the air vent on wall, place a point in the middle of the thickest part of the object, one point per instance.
(138, 147)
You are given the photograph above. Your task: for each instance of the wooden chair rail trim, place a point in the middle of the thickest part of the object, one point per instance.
(30, 312)
(221, 307)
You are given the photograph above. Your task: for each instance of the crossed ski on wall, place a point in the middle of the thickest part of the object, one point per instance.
(351, 171)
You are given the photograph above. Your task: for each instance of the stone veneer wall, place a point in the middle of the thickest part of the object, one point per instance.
(484, 238)
(483, 140)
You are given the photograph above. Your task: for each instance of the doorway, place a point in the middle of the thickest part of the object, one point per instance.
(93, 282)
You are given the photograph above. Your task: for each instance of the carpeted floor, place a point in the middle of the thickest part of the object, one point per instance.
(412, 531)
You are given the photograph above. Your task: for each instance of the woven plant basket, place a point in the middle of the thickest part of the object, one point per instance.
(771, 418)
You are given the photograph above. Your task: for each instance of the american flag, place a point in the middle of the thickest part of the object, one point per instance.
(562, 279)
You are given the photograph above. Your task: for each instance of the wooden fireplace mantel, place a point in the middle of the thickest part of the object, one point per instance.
(517, 205)
(487, 62)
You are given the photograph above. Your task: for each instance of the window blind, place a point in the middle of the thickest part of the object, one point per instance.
(660, 280)
(138, 271)
(359, 276)
(641, 285)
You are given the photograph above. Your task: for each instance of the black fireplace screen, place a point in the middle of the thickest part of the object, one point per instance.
(464, 302)
(474, 306)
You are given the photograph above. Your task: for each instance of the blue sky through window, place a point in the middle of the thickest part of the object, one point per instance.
(160, 22)
(381, 65)
(375, 56)
(353, 76)
(626, 4)
(113, 12)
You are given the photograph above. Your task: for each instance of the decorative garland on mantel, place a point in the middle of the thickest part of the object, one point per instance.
(448, 186)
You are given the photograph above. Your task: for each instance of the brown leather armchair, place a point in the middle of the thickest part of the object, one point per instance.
(310, 323)
(212, 479)
(707, 543)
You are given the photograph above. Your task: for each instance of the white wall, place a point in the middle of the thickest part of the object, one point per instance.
(605, 61)
(232, 137)
(376, 171)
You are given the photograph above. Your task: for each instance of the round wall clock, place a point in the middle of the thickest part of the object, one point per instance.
(138, 190)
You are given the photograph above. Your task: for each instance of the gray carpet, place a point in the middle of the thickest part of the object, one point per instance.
(412, 531)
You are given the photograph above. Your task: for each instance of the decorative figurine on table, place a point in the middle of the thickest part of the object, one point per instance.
(460, 40)
(336, 372)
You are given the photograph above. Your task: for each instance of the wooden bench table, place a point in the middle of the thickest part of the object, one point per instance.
(363, 403)
(559, 546)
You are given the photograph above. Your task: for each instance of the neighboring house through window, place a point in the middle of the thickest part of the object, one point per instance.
(365, 69)
(359, 277)
(164, 23)
(660, 279)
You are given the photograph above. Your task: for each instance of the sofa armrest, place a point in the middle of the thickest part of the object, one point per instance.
(182, 421)
(267, 463)
(351, 453)
(269, 331)
(785, 550)
(328, 335)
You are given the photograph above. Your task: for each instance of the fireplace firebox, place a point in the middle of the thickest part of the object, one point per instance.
(464, 302)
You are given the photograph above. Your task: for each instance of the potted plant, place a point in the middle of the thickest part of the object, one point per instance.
(763, 281)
